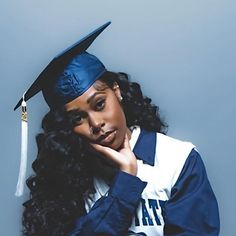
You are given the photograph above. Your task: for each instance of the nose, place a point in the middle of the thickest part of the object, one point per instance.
(96, 123)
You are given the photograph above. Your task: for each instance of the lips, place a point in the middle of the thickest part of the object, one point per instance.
(107, 138)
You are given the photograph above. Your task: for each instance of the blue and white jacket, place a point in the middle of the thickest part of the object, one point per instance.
(170, 195)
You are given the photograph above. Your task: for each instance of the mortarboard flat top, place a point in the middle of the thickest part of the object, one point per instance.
(69, 74)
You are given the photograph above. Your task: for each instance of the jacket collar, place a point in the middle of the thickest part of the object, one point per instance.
(143, 144)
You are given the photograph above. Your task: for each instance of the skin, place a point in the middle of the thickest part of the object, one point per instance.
(103, 124)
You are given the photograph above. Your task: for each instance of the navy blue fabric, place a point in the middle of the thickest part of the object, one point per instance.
(148, 140)
(82, 71)
(192, 209)
(112, 215)
(74, 67)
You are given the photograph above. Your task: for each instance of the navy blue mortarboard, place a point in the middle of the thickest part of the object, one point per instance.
(69, 74)
(65, 78)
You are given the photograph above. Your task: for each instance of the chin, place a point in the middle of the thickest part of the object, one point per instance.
(118, 143)
(115, 147)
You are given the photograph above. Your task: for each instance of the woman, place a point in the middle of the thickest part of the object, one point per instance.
(104, 165)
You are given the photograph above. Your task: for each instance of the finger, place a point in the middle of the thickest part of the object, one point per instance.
(110, 153)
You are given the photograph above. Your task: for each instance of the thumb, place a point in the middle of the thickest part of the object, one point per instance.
(126, 143)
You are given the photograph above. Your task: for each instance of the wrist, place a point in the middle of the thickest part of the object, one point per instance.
(130, 169)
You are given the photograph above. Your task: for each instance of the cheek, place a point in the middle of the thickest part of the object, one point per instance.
(82, 130)
(116, 114)
(121, 117)
(117, 117)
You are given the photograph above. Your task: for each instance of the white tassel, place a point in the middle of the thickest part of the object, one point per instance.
(24, 144)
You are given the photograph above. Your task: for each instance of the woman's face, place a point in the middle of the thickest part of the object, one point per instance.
(101, 118)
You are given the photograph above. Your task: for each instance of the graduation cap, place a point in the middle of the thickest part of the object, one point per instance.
(69, 74)
(65, 78)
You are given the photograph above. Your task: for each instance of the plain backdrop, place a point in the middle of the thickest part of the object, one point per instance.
(183, 53)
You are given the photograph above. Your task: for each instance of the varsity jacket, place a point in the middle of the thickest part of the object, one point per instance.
(170, 195)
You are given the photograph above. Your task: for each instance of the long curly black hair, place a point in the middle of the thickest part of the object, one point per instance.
(63, 171)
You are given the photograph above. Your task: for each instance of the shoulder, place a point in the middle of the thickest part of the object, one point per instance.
(172, 146)
(171, 155)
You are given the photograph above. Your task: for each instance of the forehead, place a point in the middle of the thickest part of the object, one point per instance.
(97, 88)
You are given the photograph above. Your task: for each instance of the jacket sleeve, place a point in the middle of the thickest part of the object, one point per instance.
(192, 209)
(112, 215)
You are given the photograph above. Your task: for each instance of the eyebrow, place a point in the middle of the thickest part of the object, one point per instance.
(94, 95)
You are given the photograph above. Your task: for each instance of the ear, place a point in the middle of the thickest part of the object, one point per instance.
(116, 90)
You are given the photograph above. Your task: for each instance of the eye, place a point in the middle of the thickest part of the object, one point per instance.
(100, 104)
(78, 118)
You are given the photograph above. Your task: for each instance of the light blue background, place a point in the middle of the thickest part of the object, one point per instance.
(182, 52)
